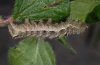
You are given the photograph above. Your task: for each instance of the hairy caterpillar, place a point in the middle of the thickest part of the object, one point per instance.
(45, 29)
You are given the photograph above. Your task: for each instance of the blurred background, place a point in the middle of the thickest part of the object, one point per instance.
(86, 44)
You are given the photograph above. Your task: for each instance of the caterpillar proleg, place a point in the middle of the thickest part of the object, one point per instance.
(45, 29)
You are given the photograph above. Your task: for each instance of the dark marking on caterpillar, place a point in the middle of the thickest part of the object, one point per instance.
(45, 29)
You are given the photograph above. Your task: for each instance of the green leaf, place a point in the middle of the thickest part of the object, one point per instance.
(41, 9)
(31, 52)
(94, 16)
(97, 11)
(65, 43)
(81, 8)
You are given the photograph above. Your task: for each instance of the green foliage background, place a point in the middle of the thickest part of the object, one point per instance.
(32, 51)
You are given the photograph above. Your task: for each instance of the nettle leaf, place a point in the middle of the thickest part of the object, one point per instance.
(32, 52)
(41, 9)
(66, 44)
(81, 8)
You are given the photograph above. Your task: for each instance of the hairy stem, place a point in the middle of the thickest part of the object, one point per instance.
(5, 22)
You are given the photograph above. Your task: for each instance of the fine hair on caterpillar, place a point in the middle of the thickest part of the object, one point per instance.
(45, 29)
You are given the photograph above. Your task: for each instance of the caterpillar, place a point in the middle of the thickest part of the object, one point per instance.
(45, 29)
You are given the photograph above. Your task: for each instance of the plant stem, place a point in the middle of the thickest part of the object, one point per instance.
(5, 22)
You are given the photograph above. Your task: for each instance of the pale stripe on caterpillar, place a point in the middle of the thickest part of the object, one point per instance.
(45, 30)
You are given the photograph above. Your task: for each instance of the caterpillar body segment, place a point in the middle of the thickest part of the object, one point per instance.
(45, 29)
